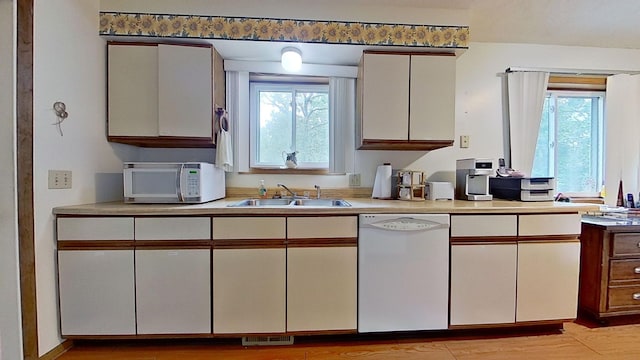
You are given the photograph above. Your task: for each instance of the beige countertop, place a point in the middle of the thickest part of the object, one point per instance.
(359, 206)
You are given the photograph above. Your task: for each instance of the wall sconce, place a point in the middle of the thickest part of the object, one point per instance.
(291, 59)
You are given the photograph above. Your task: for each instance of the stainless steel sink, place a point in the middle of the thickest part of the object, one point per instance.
(322, 202)
(262, 202)
(291, 202)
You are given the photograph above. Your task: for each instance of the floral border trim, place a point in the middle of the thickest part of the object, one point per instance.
(286, 30)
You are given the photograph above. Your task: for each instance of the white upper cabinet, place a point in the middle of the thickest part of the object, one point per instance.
(163, 95)
(406, 101)
(432, 98)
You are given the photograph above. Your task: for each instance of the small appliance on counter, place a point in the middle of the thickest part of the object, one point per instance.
(523, 188)
(472, 179)
(439, 190)
(382, 182)
(172, 182)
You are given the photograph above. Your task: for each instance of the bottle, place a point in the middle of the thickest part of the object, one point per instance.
(262, 190)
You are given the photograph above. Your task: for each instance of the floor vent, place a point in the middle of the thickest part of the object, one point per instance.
(267, 340)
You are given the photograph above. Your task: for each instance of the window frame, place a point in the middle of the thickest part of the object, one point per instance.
(597, 141)
(291, 84)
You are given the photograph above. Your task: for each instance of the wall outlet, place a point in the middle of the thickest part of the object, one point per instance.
(464, 141)
(354, 179)
(59, 179)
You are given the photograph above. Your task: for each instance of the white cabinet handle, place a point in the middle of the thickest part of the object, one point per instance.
(636, 270)
(636, 296)
(639, 244)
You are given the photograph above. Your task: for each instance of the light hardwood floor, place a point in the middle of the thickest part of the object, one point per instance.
(582, 341)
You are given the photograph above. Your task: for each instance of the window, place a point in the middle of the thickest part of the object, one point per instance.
(570, 141)
(287, 117)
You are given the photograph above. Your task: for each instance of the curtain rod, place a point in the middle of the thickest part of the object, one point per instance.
(574, 71)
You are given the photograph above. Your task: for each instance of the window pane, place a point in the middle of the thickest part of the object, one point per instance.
(312, 127)
(274, 132)
(574, 148)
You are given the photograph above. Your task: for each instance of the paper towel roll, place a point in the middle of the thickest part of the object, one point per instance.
(382, 182)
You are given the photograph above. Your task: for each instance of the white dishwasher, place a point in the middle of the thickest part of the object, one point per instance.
(403, 272)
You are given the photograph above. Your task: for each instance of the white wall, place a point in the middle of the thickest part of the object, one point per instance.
(10, 329)
(69, 66)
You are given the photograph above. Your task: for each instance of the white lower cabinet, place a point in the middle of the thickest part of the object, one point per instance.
(96, 292)
(249, 290)
(173, 293)
(322, 288)
(322, 273)
(249, 275)
(548, 277)
(483, 283)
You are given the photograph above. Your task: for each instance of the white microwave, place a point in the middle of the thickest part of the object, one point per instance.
(172, 182)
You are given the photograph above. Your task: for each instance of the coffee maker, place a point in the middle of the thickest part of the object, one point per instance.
(472, 179)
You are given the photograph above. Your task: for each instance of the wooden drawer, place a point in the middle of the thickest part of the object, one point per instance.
(249, 228)
(624, 270)
(484, 225)
(95, 228)
(625, 244)
(322, 227)
(173, 228)
(549, 224)
(624, 296)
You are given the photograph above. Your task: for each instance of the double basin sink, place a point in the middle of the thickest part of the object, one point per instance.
(291, 203)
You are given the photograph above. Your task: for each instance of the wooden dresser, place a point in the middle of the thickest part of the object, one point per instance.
(610, 268)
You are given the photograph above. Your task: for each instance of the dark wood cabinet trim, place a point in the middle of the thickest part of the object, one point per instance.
(95, 245)
(549, 238)
(249, 244)
(420, 145)
(165, 141)
(322, 242)
(474, 240)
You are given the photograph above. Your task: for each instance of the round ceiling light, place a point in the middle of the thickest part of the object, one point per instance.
(291, 59)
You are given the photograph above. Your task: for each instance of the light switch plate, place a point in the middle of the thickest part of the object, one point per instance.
(59, 179)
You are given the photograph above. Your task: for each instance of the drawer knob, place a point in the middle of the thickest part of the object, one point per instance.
(636, 296)
(636, 270)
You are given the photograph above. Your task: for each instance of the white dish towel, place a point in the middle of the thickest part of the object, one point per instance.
(224, 146)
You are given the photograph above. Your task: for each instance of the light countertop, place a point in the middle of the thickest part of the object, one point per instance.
(359, 206)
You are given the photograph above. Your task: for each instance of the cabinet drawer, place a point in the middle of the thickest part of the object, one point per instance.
(624, 270)
(625, 244)
(95, 228)
(178, 228)
(484, 225)
(249, 228)
(549, 224)
(624, 296)
(322, 227)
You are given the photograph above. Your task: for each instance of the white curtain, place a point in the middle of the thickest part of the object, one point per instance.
(526, 93)
(342, 99)
(622, 148)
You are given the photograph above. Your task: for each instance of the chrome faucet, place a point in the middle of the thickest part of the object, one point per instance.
(317, 191)
(293, 195)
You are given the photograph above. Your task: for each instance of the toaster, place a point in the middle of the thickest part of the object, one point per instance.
(435, 190)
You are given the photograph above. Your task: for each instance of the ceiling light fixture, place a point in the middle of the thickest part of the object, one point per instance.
(291, 59)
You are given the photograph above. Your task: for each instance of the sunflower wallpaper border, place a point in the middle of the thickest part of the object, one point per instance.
(285, 30)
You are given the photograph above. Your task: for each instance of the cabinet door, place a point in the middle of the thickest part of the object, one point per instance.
(432, 101)
(547, 280)
(249, 290)
(185, 91)
(385, 102)
(133, 90)
(166, 303)
(322, 288)
(483, 284)
(96, 292)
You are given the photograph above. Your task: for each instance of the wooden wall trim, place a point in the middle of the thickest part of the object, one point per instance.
(24, 176)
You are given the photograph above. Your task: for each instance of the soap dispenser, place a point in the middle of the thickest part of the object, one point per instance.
(262, 190)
